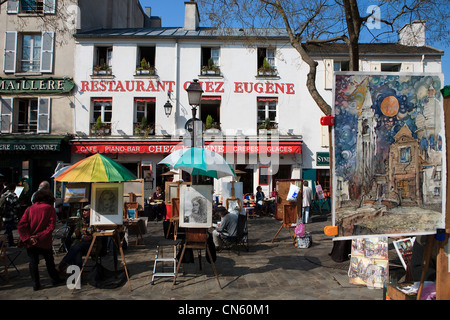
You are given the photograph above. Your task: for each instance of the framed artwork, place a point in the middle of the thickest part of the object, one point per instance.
(76, 192)
(404, 248)
(196, 206)
(388, 158)
(234, 206)
(107, 204)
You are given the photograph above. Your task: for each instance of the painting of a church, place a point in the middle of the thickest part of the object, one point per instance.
(388, 159)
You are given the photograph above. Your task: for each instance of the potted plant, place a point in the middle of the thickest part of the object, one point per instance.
(267, 127)
(100, 128)
(266, 69)
(145, 68)
(211, 125)
(211, 68)
(144, 128)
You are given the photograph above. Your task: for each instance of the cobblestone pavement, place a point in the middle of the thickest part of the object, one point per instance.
(268, 271)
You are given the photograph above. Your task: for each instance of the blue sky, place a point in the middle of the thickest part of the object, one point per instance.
(172, 15)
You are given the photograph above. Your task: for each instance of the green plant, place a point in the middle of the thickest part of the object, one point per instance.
(266, 67)
(209, 122)
(99, 123)
(211, 66)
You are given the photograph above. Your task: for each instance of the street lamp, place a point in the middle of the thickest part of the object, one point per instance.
(195, 97)
(167, 108)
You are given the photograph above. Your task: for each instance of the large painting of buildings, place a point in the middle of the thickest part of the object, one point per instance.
(389, 174)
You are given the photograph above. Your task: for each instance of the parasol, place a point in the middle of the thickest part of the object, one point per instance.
(96, 168)
(199, 161)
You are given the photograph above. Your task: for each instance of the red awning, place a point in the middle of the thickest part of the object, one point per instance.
(211, 98)
(149, 99)
(169, 146)
(102, 99)
(267, 98)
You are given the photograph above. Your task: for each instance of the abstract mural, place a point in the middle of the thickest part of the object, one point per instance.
(389, 174)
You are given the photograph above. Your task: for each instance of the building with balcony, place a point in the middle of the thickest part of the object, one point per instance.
(36, 79)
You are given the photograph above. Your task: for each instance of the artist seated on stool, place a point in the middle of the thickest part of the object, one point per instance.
(82, 241)
(260, 205)
(227, 228)
(160, 208)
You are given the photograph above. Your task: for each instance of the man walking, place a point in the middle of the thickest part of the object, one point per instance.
(307, 196)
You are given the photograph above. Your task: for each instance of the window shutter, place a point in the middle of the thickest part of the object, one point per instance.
(47, 52)
(49, 6)
(9, 65)
(12, 6)
(329, 69)
(6, 105)
(43, 125)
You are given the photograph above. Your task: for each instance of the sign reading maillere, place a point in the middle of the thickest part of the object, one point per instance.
(150, 85)
(36, 85)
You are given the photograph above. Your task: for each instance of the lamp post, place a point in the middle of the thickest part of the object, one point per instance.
(195, 97)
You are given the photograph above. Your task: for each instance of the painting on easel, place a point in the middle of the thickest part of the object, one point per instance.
(389, 167)
(196, 206)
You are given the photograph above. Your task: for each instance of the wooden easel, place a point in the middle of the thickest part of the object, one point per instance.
(175, 218)
(114, 234)
(196, 238)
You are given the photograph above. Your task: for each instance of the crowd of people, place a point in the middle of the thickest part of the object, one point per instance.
(37, 224)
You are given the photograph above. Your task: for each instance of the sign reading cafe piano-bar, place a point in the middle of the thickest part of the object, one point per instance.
(36, 85)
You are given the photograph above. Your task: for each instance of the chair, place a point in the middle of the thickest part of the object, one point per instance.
(61, 234)
(241, 237)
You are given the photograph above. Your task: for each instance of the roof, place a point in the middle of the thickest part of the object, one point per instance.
(205, 33)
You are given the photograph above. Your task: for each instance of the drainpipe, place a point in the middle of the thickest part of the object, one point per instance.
(177, 87)
(422, 63)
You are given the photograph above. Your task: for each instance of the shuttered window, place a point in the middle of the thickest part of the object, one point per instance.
(9, 64)
(6, 105)
(43, 116)
(33, 53)
(31, 6)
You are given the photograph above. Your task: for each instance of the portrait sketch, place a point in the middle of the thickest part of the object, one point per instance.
(107, 204)
(196, 206)
(389, 165)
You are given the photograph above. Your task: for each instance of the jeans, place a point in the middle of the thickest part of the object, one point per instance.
(33, 255)
(305, 214)
(76, 253)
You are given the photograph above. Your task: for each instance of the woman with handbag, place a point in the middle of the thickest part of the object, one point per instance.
(36, 231)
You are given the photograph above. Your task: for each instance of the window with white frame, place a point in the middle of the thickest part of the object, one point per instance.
(145, 64)
(210, 60)
(31, 6)
(267, 113)
(266, 61)
(25, 115)
(102, 108)
(102, 60)
(28, 52)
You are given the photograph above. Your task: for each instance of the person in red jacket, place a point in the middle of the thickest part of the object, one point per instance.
(36, 230)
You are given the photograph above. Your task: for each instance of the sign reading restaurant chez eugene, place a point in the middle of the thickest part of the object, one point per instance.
(37, 85)
(207, 86)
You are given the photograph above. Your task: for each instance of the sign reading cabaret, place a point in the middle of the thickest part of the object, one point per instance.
(162, 86)
(167, 147)
(37, 85)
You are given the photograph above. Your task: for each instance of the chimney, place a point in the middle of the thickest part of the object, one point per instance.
(191, 15)
(149, 21)
(147, 17)
(413, 34)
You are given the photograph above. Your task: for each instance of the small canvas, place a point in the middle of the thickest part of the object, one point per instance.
(196, 206)
(404, 248)
(107, 204)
